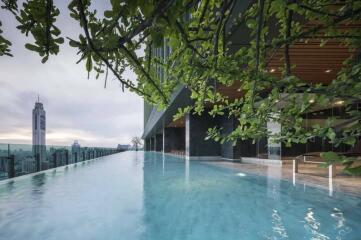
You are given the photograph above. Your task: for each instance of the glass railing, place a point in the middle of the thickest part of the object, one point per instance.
(21, 159)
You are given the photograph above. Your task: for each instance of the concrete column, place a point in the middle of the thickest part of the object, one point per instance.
(274, 149)
(145, 144)
(196, 131)
(167, 140)
(163, 140)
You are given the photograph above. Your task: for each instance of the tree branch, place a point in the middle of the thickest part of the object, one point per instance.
(92, 47)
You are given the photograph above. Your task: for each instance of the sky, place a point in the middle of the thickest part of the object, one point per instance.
(77, 108)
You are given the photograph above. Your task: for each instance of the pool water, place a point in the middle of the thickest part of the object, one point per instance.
(150, 196)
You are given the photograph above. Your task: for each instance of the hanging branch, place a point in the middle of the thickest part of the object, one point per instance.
(139, 66)
(149, 55)
(106, 78)
(258, 39)
(161, 8)
(204, 10)
(224, 34)
(218, 30)
(49, 6)
(185, 38)
(288, 26)
(314, 30)
(320, 12)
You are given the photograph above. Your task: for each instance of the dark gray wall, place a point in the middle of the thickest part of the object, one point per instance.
(152, 143)
(227, 148)
(174, 139)
(196, 131)
(159, 142)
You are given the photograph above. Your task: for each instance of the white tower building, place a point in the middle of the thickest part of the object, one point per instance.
(39, 131)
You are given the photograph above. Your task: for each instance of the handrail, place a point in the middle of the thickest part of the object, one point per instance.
(331, 167)
(308, 155)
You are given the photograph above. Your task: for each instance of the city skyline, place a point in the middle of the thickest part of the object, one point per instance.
(77, 107)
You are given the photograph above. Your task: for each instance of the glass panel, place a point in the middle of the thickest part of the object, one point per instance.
(21, 159)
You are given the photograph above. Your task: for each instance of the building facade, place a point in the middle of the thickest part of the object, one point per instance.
(186, 136)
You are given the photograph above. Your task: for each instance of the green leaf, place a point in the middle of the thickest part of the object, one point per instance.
(330, 157)
(89, 63)
(356, 171)
(108, 14)
(45, 59)
(32, 47)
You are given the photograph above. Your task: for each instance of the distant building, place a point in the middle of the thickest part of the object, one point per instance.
(28, 165)
(76, 151)
(123, 147)
(58, 154)
(39, 134)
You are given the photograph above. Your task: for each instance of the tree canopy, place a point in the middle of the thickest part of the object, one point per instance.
(204, 56)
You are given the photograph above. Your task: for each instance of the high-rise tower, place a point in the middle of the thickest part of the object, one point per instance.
(39, 132)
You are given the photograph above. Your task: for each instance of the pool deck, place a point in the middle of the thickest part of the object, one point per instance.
(309, 174)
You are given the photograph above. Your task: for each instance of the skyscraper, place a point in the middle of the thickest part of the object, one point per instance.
(39, 131)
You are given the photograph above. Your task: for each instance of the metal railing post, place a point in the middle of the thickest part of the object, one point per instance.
(11, 166)
(66, 157)
(55, 159)
(331, 171)
(295, 165)
(37, 162)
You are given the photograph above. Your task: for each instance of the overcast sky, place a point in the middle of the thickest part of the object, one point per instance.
(76, 108)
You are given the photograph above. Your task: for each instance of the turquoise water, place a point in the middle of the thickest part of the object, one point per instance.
(150, 197)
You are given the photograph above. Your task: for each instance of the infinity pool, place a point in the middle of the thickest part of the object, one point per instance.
(154, 197)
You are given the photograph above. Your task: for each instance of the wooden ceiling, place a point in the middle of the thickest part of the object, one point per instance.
(313, 63)
(177, 123)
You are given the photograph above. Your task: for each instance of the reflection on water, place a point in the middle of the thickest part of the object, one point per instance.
(38, 181)
(313, 226)
(150, 196)
(340, 224)
(278, 226)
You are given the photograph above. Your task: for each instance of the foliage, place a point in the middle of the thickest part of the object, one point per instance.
(351, 164)
(4, 45)
(206, 53)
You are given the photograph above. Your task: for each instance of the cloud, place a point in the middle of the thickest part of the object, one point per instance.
(76, 107)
